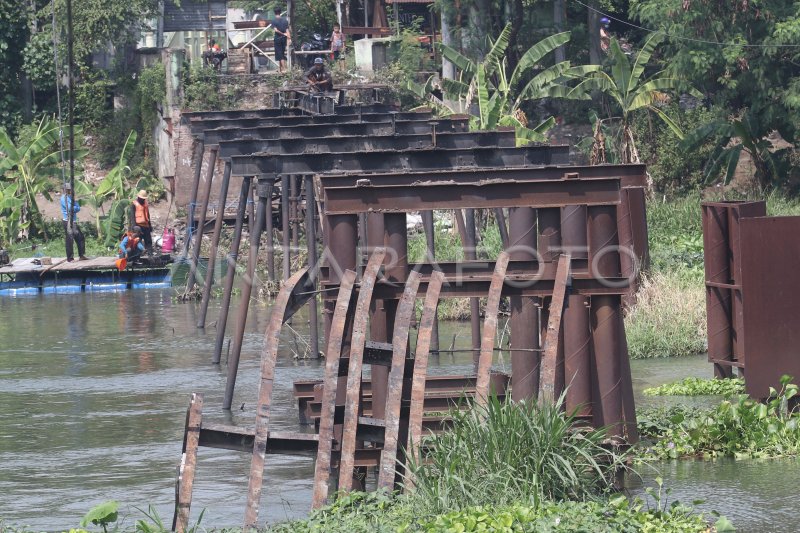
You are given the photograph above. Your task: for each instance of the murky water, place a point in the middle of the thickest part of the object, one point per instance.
(94, 390)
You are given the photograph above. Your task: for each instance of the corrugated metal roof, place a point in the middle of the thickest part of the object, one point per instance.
(195, 15)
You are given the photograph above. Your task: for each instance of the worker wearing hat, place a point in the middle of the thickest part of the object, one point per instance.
(140, 216)
(72, 232)
(318, 77)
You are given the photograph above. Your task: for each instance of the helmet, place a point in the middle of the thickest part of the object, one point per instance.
(136, 229)
(605, 21)
(319, 61)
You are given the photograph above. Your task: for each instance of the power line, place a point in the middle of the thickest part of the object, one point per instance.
(680, 38)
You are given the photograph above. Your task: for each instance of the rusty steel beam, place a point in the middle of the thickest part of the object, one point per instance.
(547, 385)
(285, 229)
(271, 112)
(378, 324)
(402, 324)
(186, 470)
(422, 349)
(324, 145)
(222, 320)
(629, 175)
(199, 126)
(269, 357)
(244, 304)
(217, 135)
(430, 243)
(355, 367)
(490, 330)
(199, 151)
(471, 254)
(381, 161)
(311, 246)
(404, 198)
(212, 256)
(332, 356)
(201, 222)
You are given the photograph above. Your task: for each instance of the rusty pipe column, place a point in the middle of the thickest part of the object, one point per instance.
(342, 237)
(198, 238)
(244, 305)
(606, 313)
(501, 226)
(294, 202)
(285, 227)
(471, 253)
(230, 274)
(270, 187)
(311, 244)
(396, 272)
(251, 215)
(199, 150)
(212, 256)
(378, 327)
(549, 247)
(524, 310)
(430, 242)
(575, 320)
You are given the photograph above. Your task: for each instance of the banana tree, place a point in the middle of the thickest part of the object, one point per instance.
(31, 163)
(626, 86)
(499, 94)
(10, 210)
(116, 188)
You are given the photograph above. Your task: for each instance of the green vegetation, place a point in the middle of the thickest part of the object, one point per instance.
(738, 428)
(507, 468)
(699, 387)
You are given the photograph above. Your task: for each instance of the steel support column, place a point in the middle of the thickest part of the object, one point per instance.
(471, 253)
(212, 255)
(201, 222)
(311, 244)
(199, 151)
(244, 305)
(576, 324)
(270, 187)
(285, 227)
(524, 310)
(230, 274)
(430, 242)
(378, 328)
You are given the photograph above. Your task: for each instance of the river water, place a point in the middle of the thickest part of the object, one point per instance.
(93, 396)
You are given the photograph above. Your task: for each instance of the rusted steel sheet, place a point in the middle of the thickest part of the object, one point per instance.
(490, 330)
(629, 175)
(402, 323)
(770, 248)
(377, 161)
(488, 195)
(323, 464)
(354, 370)
(269, 355)
(418, 387)
(347, 129)
(199, 126)
(186, 471)
(547, 385)
(324, 145)
(270, 112)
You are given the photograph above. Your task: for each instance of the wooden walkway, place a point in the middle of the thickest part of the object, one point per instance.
(58, 264)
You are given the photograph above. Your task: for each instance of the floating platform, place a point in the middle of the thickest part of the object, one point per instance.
(27, 276)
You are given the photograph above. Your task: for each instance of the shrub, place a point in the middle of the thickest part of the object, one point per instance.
(737, 428)
(692, 386)
(510, 452)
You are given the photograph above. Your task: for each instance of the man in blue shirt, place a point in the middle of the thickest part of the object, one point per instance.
(75, 234)
(281, 40)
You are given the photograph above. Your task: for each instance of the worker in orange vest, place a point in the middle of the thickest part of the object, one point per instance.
(140, 216)
(131, 246)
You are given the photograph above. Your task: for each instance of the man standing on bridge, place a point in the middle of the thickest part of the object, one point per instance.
(281, 40)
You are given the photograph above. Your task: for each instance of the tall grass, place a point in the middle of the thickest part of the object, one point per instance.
(513, 452)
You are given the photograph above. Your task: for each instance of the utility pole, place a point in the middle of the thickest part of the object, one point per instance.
(71, 108)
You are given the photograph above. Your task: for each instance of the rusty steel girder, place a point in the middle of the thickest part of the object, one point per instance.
(324, 145)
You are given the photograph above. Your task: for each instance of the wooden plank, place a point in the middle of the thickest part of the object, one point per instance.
(191, 437)
(322, 466)
(490, 329)
(354, 371)
(421, 370)
(402, 323)
(269, 355)
(548, 374)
